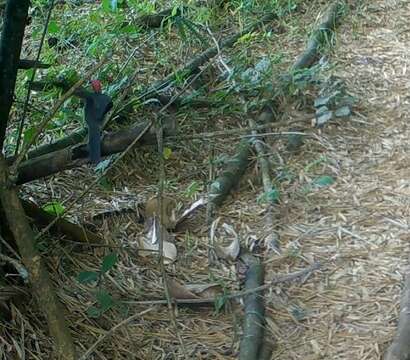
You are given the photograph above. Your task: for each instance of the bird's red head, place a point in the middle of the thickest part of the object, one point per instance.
(96, 85)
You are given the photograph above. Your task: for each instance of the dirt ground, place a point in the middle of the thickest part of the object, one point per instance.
(356, 228)
(360, 226)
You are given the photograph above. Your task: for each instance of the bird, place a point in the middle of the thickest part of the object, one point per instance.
(96, 107)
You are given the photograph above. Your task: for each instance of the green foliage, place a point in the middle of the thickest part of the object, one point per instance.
(103, 299)
(220, 302)
(142, 6)
(28, 134)
(193, 188)
(105, 183)
(315, 163)
(167, 153)
(109, 5)
(54, 208)
(269, 197)
(108, 262)
(53, 27)
(323, 181)
(86, 277)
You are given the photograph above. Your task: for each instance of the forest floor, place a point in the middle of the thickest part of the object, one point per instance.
(360, 226)
(357, 227)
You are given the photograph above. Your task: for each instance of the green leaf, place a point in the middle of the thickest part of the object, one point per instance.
(129, 29)
(104, 299)
(109, 5)
(192, 189)
(167, 153)
(54, 208)
(181, 30)
(174, 10)
(86, 277)
(106, 5)
(323, 181)
(53, 27)
(108, 262)
(105, 183)
(271, 196)
(114, 5)
(298, 313)
(94, 312)
(220, 302)
(29, 73)
(28, 134)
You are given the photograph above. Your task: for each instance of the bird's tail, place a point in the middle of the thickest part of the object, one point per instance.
(94, 144)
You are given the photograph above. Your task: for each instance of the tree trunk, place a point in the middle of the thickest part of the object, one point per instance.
(38, 276)
(15, 19)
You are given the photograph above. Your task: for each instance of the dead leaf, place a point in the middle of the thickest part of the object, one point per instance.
(272, 243)
(150, 242)
(178, 291)
(192, 218)
(230, 252)
(169, 211)
(205, 291)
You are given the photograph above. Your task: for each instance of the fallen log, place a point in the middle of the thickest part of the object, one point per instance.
(254, 321)
(152, 21)
(29, 64)
(230, 177)
(400, 347)
(320, 35)
(73, 231)
(68, 158)
(78, 136)
(328, 24)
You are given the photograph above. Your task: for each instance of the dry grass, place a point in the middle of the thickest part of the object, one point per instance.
(357, 227)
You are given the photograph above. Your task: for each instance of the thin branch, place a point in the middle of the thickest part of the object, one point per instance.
(276, 280)
(111, 331)
(33, 75)
(160, 135)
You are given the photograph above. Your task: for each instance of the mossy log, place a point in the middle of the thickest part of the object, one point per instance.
(254, 321)
(230, 177)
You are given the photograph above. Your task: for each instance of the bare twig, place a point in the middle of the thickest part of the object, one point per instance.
(277, 280)
(160, 134)
(111, 331)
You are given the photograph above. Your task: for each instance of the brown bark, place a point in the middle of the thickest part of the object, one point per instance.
(29, 64)
(400, 347)
(68, 158)
(38, 277)
(323, 32)
(74, 231)
(231, 176)
(254, 321)
(15, 19)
